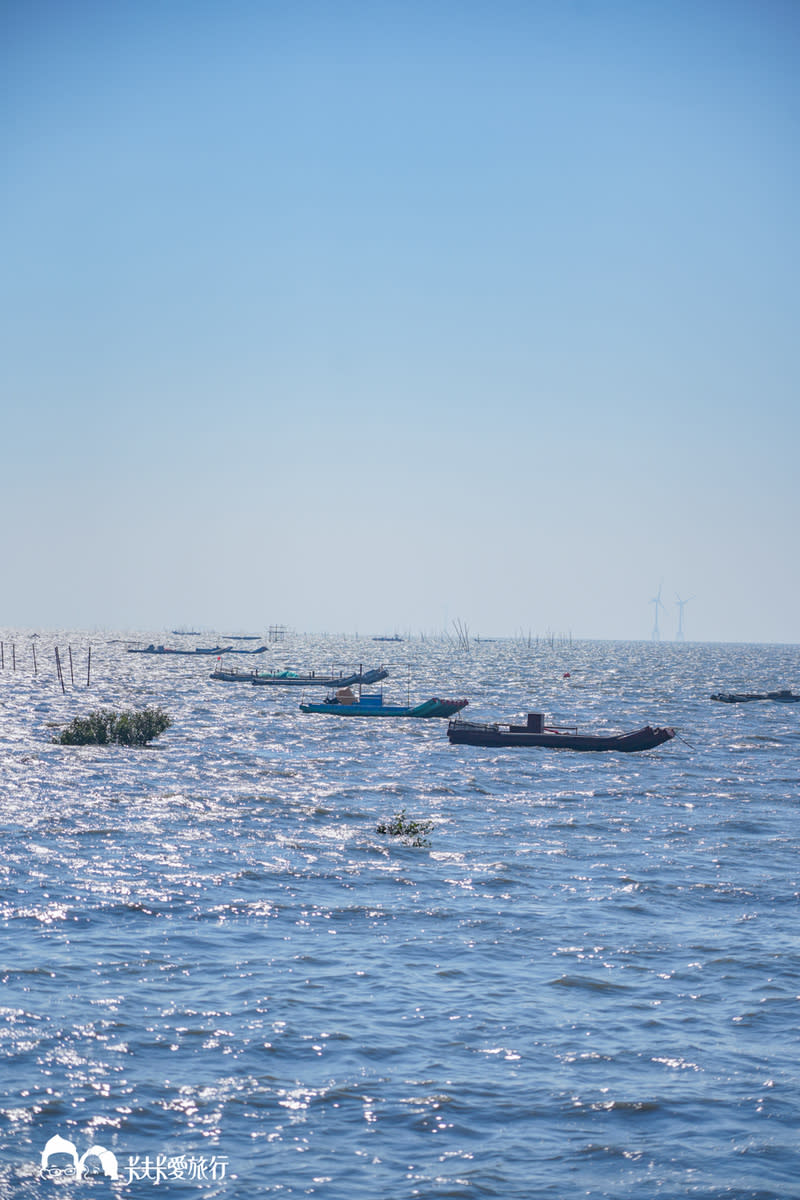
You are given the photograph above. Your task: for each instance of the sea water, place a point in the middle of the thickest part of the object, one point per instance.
(585, 981)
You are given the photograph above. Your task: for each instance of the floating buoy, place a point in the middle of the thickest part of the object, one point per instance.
(566, 674)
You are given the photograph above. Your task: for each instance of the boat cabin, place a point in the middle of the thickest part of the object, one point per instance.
(535, 724)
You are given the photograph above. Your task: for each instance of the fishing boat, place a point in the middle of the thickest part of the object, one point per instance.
(783, 697)
(151, 649)
(345, 703)
(536, 733)
(300, 679)
(233, 676)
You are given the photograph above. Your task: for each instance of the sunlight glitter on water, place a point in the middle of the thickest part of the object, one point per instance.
(581, 939)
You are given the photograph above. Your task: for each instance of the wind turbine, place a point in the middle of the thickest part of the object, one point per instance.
(681, 605)
(658, 604)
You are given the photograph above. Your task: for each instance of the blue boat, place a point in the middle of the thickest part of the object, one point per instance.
(345, 703)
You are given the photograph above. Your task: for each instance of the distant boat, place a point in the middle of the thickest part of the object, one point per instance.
(783, 697)
(536, 733)
(395, 637)
(151, 649)
(294, 679)
(345, 703)
(258, 650)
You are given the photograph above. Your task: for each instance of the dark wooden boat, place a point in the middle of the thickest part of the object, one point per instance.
(151, 649)
(536, 733)
(234, 675)
(783, 697)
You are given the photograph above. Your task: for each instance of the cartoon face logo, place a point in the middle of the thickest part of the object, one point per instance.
(68, 1165)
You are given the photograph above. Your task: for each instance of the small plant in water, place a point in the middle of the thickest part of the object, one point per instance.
(103, 726)
(413, 833)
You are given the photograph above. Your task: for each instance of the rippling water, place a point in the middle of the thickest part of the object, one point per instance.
(587, 984)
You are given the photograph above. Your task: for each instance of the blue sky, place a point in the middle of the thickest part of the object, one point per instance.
(365, 317)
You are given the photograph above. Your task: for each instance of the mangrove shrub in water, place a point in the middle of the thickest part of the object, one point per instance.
(412, 832)
(103, 727)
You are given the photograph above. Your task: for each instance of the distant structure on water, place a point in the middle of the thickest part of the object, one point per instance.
(657, 602)
(681, 604)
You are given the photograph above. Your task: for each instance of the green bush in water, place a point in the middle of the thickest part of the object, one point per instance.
(412, 832)
(126, 728)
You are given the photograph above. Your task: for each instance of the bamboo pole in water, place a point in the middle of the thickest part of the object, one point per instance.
(59, 671)
(89, 666)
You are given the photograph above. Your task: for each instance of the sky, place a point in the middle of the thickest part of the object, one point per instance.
(376, 316)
